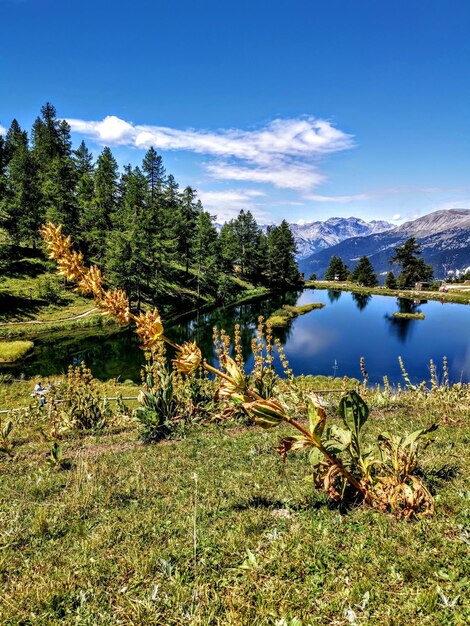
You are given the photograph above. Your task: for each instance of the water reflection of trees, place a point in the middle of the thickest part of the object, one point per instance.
(117, 355)
(401, 327)
(361, 299)
(246, 314)
(334, 294)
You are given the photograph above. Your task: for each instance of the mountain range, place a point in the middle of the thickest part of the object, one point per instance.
(316, 236)
(444, 237)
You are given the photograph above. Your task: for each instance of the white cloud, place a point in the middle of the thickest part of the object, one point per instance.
(396, 216)
(284, 153)
(282, 174)
(339, 199)
(226, 204)
(3, 130)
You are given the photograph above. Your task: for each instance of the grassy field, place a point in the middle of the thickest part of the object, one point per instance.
(213, 528)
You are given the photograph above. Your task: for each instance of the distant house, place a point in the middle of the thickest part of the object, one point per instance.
(422, 286)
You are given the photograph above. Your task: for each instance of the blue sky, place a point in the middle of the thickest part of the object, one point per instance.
(299, 110)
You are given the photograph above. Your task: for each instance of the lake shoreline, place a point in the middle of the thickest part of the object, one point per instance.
(460, 297)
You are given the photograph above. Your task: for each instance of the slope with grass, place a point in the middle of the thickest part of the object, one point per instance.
(156, 534)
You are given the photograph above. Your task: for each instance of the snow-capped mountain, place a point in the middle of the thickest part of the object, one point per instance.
(444, 237)
(316, 236)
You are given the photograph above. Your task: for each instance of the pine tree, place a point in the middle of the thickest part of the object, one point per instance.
(282, 268)
(19, 202)
(336, 270)
(247, 242)
(414, 269)
(364, 273)
(187, 218)
(128, 253)
(152, 165)
(391, 281)
(52, 152)
(97, 221)
(205, 252)
(84, 171)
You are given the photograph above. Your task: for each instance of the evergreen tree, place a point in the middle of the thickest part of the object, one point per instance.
(128, 253)
(282, 268)
(52, 151)
(391, 281)
(227, 245)
(187, 219)
(247, 242)
(84, 171)
(97, 221)
(19, 200)
(153, 167)
(364, 273)
(414, 269)
(336, 270)
(205, 252)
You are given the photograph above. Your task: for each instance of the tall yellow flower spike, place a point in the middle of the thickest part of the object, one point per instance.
(116, 303)
(149, 328)
(92, 282)
(189, 358)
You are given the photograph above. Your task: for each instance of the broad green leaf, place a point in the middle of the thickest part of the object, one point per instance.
(417, 434)
(354, 411)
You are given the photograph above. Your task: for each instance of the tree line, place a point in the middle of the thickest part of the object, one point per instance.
(147, 234)
(413, 269)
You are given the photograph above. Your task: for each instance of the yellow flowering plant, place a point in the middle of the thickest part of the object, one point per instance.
(338, 455)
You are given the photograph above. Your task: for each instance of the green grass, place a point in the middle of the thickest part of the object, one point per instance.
(111, 540)
(11, 351)
(454, 295)
(283, 316)
(409, 316)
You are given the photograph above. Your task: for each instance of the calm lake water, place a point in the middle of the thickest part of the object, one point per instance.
(327, 341)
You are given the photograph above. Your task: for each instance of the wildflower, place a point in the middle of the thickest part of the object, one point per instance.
(235, 380)
(149, 328)
(92, 282)
(266, 413)
(115, 303)
(188, 358)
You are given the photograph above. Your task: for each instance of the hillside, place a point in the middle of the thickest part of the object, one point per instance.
(444, 237)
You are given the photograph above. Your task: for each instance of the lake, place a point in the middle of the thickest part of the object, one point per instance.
(328, 341)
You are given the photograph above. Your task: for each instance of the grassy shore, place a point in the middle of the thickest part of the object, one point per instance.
(214, 529)
(287, 313)
(11, 351)
(409, 316)
(459, 296)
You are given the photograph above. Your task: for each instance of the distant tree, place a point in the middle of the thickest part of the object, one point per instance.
(391, 281)
(414, 269)
(364, 273)
(282, 268)
(336, 270)
(312, 276)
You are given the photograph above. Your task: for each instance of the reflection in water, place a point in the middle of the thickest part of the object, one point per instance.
(334, 295)
(340, 333)
(401, 327)
(361, 300)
